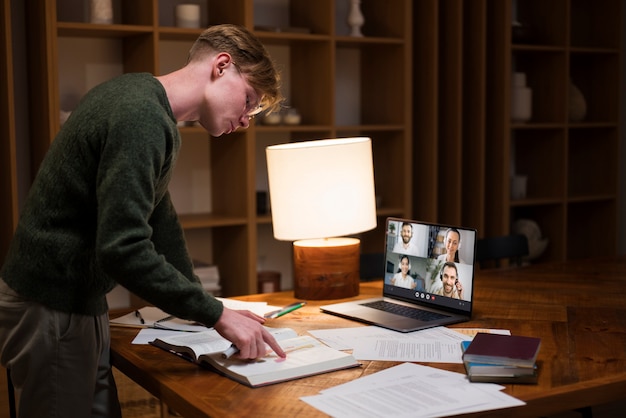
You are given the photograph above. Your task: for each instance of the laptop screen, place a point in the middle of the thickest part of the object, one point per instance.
(430, 264)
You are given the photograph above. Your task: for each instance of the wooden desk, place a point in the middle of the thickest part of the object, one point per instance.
(577, 308)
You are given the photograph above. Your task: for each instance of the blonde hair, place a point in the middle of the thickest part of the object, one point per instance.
(248, 54)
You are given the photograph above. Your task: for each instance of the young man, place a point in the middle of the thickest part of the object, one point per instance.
(99, 214)
(406, 245)
(450, 285)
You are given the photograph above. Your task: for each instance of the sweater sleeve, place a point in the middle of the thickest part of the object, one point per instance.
(169, 239)
(140, 242)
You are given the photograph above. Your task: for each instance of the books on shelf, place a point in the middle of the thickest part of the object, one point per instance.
(498, 373)
(510, 350)
(209, 276)
(306, 356)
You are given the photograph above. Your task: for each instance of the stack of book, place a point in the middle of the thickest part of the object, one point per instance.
(500, 358)
(209, 276)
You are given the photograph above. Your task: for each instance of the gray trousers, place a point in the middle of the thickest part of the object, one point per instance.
(59, 362)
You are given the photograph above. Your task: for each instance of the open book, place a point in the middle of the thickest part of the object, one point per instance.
(306, 356)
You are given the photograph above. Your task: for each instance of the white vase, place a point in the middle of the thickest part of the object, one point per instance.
(518, 187)
(101, 11)
(577, 104)
(521, 99)
(355, 18)
(188, 15)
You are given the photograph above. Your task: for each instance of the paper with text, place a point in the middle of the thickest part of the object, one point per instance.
(410, 390)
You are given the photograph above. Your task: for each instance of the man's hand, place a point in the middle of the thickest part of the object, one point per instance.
(245, 330)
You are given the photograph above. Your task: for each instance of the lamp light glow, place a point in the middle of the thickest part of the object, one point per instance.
(320, 191)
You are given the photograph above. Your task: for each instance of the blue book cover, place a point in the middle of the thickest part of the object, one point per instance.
(498, 373)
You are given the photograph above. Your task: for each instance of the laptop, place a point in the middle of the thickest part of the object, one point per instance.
(421, 288)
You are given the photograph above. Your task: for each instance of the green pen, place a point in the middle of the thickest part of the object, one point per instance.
(285, 310)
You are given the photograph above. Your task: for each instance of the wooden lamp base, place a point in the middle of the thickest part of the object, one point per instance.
(326, 268)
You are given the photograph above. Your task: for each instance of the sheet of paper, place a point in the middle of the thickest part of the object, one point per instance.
(416, 391)
(344, 338)
(145, 335)
(259, 308)
(432, 345)
(438, 344)
(408, 349)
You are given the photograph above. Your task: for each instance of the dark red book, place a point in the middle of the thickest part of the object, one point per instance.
(513, 350)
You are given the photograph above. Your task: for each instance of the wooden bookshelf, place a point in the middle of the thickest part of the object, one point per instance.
(466, 145)
(219, 214)
(8, 158)
(571, 165)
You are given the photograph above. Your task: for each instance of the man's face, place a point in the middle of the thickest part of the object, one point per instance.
(449, 279)
(228, 102)
(406, 234)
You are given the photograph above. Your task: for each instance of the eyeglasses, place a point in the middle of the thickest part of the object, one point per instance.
(253, 110)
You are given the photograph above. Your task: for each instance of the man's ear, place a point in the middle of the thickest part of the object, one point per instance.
(221, 62)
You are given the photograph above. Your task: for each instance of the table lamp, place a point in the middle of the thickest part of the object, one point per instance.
(321, 191)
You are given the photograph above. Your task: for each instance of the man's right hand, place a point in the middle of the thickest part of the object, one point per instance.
(245, 330)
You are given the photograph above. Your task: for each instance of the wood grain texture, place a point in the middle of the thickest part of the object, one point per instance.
(577, 308)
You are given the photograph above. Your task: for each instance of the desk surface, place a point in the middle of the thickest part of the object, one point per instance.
(577, 308)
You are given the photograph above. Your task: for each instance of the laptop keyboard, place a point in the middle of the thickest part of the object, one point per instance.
(405, 311)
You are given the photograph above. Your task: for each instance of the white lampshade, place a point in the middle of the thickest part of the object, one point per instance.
(322, 188)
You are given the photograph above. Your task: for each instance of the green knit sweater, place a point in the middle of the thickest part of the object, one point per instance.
(99, 213)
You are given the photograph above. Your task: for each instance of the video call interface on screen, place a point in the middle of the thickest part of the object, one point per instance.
(418, 266)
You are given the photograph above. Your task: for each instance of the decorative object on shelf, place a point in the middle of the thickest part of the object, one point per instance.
(291, 116)
(188, 16)
(577, 104)
(288, 116)
(518, 186)
(521, 98)
(536, 243)
(101, 11)
(273, 118)
(268, 281)
(521, 32)
(355, 18)
(321, 191)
